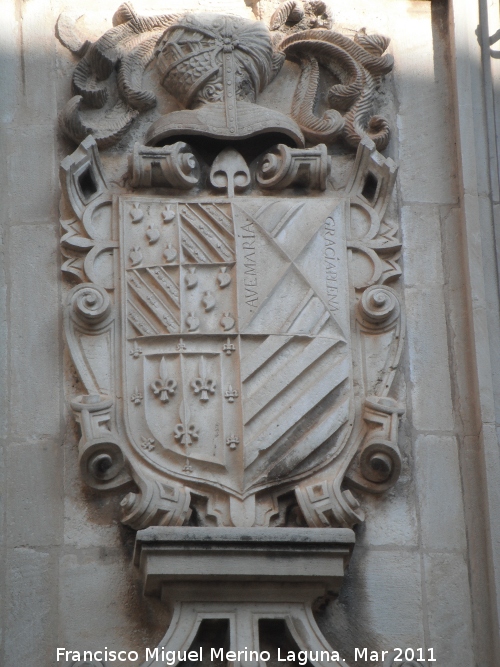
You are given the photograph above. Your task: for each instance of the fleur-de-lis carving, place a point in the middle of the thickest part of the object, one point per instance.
(136, 396)
(228, 347)
(188, 468)
(163, 387)
(203, 385)
(231, 394)
(181, 346)
(186, 431)
(232, 441)
(136, 351)
(148, 444)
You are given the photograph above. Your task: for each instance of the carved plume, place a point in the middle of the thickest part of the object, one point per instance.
(192, 53)
(128, 48)
(357, 63)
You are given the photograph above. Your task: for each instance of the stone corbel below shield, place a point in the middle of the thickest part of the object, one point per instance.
(243, 578)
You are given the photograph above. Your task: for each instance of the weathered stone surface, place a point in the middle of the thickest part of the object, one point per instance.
(421, 231)
(392, 582)
(30, 627)
(424, 113)
(440, 493)
(428, 356)
(34, 494)
(39, 175)
(92, 597)
(4, 331)
(391, 520)
(34, 327)
(35, 39)
(447, 590)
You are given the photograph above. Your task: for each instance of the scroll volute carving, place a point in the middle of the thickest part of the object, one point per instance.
(286, 166)
(169, 166)
(102, 461)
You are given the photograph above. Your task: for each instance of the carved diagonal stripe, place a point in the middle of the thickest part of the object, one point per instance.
(313, 443)
(145, 295)
(259, 357)
(295, 400)
(292, 369)
(205, 237)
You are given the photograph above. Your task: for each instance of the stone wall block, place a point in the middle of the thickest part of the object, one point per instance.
(38, 72)
(86, 525)
(440, 493)
(448, 608)
(461, 363)
(425, 132)
(33, 191)
(488, 265)
(390, 520)
(392, 584)
(34, 494)
(3, 501)
(428, 353)
(35, 330)
(93, 585)
(30, 631)
(420, 226)
(4, 394)
(10, 62)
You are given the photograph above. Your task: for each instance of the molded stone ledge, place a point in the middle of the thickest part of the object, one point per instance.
(267, 556)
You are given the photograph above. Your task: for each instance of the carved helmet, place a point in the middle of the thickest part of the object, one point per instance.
(215, 66)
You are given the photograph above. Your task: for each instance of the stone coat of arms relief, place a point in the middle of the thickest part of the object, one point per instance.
(235, 321)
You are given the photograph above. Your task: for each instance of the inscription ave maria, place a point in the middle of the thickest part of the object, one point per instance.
(331, 259)
(250, 273)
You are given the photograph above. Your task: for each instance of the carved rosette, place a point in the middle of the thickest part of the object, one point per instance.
(237, 338)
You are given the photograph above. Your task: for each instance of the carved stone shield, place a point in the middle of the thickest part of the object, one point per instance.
(233, 330)
(236, 314)
(237, 352)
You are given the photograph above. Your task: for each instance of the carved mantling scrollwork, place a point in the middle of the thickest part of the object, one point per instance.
(90, 312)
(358, 64)
(222, 57)
(379, 320)
(379, 317)
(128, 47)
